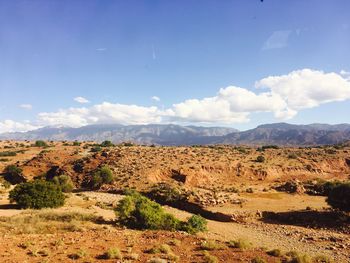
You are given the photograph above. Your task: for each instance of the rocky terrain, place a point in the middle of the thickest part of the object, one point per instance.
(271, 202)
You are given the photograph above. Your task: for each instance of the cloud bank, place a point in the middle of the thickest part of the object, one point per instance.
(283, 96)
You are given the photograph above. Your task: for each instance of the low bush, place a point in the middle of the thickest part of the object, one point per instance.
(240, 243)
(196, 224)
(339, 197)
(113, 253)
(40, 143)
(103, 175)
(37, 194)
(76, 143)
(295, 257)
(137, 211)
(209, 258)
(260, 159)
(210, 245)
(64, 182)
(106, 144)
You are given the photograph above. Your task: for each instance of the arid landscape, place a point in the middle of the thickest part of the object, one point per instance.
(262, 204)
(174, 131)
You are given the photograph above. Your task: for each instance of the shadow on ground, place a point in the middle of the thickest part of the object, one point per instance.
(311, 219)
(9, 206)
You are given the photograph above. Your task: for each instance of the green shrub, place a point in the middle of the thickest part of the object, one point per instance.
(260, 159)
(196, 224)
(103, 175)
(37, 194)
(140, 212)
(96, 148)
(339, 197)
(64, 182)
(13, 174)
(137, 211)
(40, 143)
(76, 143)
(106, 144)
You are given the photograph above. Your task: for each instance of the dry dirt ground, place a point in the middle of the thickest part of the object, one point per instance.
(222, 178)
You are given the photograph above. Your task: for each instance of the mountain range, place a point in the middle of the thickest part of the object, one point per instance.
(170, 134)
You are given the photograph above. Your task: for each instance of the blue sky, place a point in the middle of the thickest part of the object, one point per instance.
(119, 54)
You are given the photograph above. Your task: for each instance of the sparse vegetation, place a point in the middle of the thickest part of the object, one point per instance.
(209, 258)
(113, 253)
(210, 245)
(241, 244)
(37, 194)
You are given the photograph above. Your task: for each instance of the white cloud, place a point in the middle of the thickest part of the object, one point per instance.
(307, 88)
(26, 106)
(13, 126)
(283, 96)
(101, 49)
(81, 100)
(103, 113)
(155, 98)
(278, 39)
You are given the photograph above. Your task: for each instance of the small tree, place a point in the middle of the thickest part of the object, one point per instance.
(339, 197)
(104, 175)
(37, 194)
